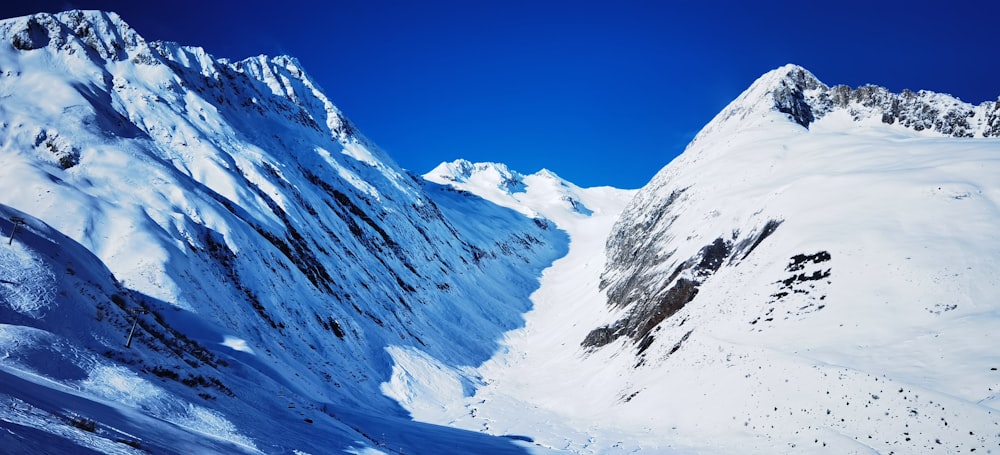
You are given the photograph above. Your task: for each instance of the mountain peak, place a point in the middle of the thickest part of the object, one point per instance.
(102, 33)
(794, 94)
(542, 194)
(487, 174)
(788, 86)
(782, 90)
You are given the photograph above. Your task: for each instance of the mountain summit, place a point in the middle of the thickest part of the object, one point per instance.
(796, 93)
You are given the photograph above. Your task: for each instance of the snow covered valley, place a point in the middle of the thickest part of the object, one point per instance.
(206, 256)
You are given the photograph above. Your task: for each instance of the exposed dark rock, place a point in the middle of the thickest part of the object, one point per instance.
(652, 299)
(790, 98)
(677, 346)
(712, 256)
(602, 336)
(799, 261)
(805, 99)
(33, 36)
(631, 249)
(742, 250)
(805, 288)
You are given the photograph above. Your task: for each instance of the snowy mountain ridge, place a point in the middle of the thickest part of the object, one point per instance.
(792, 223)
(542, 194)
(262, 257)
(798, 94)
(826, 287)
(207, 256)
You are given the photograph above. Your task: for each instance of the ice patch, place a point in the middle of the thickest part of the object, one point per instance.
(360, 153)
(206, 421)
(423, 385)
(237, 344)
(122, 385)
(27, 286)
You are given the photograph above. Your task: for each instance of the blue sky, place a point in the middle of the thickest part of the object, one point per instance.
(602, 93)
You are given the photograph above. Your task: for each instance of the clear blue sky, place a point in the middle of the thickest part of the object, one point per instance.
(600, 92)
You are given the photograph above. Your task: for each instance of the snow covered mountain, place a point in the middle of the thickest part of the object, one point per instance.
(204, 255)
(815, 273)
(264, 259)
(543, 194)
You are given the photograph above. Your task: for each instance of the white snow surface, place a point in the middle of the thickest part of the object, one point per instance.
(542, 194)
(284, 287)
(892, 352)
(210, 259)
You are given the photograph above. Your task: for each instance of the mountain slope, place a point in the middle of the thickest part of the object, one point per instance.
(269, 256)
(205, 255)
(782, 286)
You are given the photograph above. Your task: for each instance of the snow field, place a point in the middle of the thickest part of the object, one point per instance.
(296, 291)
(890, 353)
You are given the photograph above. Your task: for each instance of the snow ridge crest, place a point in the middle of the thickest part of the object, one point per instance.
(106, 39)
(464, 171)
(542, 194)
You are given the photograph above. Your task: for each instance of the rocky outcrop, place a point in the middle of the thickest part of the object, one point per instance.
(805, 99)
(637, 282)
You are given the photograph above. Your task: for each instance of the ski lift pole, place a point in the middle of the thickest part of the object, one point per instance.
(16, 221)
(135, 322)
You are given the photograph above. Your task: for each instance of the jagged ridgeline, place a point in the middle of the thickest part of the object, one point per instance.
(805, 99)
(266, 253)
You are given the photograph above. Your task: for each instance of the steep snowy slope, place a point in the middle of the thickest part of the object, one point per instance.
(269, 258)
(809, 276)
(817, 272)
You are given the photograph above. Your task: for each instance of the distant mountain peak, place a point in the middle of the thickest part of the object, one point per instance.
(491, 174)
(540, 194)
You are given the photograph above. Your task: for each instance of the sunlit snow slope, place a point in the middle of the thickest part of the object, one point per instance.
(267, 259)
(817, 273)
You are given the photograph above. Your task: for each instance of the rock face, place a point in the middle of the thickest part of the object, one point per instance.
(649, 297)
(805, 99)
